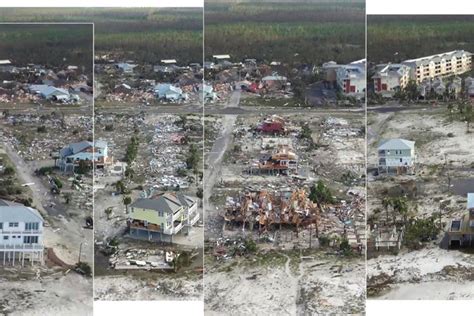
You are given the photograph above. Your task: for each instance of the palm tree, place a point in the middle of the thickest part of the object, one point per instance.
(108, 212)
(126, 201)
(386, 202)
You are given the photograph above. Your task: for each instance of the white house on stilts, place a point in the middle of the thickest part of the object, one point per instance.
(21, 234)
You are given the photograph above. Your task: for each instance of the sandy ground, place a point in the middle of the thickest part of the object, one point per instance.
(435, 290)
(430, 273)
(60, 295)
(291, 287)
(129, 288)
(429, 130)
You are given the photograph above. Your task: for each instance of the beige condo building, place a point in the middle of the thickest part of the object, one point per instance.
(440, 65)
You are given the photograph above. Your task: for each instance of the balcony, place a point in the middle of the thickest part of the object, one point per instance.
(141, 225)
(22, 232)
(177, 216)
(177, 226)
(22, 247)
(193, 220)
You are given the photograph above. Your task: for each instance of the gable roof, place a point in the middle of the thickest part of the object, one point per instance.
(14, 212)
(167, 202)
(396, 143)
(76, 148)
(167, 88)
(437, 57)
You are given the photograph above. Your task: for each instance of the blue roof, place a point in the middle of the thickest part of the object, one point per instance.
(75, 149)
(46, 90)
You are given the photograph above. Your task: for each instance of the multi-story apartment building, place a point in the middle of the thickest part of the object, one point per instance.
(390, 78)
(161, 217)
(396, 155)
(439, 65)
(351, 78)
(21, 234)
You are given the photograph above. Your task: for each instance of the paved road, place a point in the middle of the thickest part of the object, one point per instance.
(230, 108)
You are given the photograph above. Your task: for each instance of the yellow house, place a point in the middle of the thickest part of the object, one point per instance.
(162, 216)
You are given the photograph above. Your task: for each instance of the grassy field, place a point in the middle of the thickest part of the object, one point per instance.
(396, 38)
(142, 34)
(303, 32)
(53, 44)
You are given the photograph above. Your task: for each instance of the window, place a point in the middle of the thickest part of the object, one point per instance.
(400, 159)
(5, 237)
(31, 226)
(30, 239)
(12, 224)
(1, 225)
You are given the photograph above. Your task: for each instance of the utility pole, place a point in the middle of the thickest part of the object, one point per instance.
(447, 171)
(310, 233)
(80, 251)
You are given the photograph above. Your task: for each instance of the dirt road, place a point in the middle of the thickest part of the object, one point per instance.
(66, 235)
(215, 156)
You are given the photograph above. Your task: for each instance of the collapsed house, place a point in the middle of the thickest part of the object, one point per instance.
(48, 92)
(282, 161)
(460, 232)
(21, 234)
(92, 153)
(168, 92)
(126, 67)
(161, 217)
(266, 210)
(274, 82)
(272, 125)
(396, 155)
(206, 93)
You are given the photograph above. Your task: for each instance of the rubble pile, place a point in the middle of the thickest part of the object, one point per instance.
(139, 259)
(287, 208)
(336, 128)
(32, 144)
(167, 153)
(268, 209)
